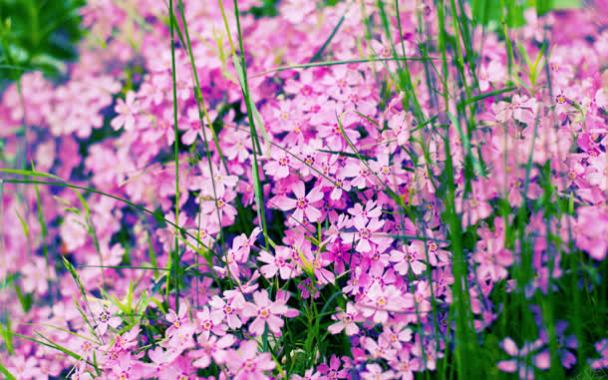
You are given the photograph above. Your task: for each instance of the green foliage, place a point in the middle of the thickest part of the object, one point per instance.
(268, 9)
(37, 35)
(491, 11)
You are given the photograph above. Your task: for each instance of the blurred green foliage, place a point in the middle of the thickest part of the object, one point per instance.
(37, 35)
(512, 11)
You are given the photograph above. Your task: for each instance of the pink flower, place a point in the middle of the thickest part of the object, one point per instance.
(407, 259)
(221, 180)
(520, 358)
(242, 244)
(405, 365)
(590, 231)
(346, 321)
(280, 262)
(177, 320)
(194, 129)
(401, 125)
(227, 212)
(212, 348)
(310, 374)
(333, 370)
(279, 165)
(36, 276)
(365, 234)
(266, 313)
(305, 204)
(230, 308)
(25, 368)
(380, 301)
(104, 316)
(375, 372)
(209, 322)
(370, 211)
(491, 255)
(602, 349)
(127, 111)
(247, 363)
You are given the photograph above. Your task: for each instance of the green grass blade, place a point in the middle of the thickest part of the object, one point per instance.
(5, 372)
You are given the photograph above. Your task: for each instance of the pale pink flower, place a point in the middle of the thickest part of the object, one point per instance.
(266, 313)
(209, 322)
(104, 315)
(407, 259)
(229, 308)
(213, 348)
(247, 363)
(304, 204)
(127, 111)
(345, 321)
(279, 263)
(366, 233)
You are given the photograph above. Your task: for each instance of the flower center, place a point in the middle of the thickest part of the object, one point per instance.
(381, 301)
(104, 316)
(301, 203)
(306, 90)
(86, 346)
(249, 366)
(264, 313)
(309, 160)
(365, 233)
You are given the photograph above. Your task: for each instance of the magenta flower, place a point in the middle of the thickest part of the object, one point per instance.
(310, 374)
(602, 349)
(334, 370)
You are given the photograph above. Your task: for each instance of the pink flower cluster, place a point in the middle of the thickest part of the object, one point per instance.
(340, 157)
